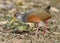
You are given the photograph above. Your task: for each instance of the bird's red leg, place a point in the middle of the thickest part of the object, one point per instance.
(37, 27)
(45, 29)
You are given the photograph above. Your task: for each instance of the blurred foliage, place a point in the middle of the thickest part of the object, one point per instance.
(18, 25)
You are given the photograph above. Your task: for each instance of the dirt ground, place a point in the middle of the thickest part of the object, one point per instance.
(7, 12)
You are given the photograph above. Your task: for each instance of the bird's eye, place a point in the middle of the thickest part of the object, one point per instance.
(16, 14)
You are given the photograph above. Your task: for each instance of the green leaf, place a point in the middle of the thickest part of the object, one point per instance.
(22, 28)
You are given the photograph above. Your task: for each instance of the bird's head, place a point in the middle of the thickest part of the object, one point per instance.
(17, 15)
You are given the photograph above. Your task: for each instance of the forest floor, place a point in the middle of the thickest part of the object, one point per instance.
(9, 7)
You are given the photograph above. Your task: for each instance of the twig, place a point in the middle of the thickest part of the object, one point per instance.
(56, 33)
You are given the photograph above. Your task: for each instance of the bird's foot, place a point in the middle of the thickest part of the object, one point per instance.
(44, 33)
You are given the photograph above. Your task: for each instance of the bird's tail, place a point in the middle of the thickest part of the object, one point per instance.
(48, 8)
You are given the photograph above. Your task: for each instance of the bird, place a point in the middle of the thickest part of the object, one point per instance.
(35, 16)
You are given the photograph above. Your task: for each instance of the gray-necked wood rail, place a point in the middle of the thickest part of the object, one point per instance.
(35, 16)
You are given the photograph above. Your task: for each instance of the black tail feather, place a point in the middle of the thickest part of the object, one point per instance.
(48, 8)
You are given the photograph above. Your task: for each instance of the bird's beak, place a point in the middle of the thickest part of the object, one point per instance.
(13, 19)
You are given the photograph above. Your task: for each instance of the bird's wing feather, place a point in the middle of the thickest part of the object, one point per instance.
(43, 14)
